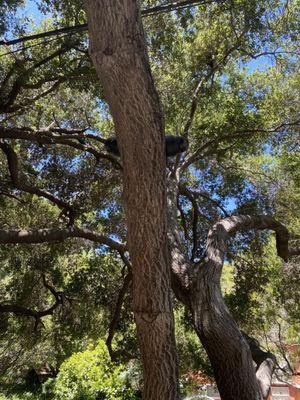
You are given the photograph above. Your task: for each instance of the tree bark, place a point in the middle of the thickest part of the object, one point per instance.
(198, 287)
(118, 50)
(225, 345)
(200, 291)
(227, 350)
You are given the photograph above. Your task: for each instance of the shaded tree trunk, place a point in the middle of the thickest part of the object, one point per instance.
(118, 50)
(231, 353)
(199, 289)
(227, 350)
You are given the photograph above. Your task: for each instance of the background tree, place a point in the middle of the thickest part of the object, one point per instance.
(242, 128)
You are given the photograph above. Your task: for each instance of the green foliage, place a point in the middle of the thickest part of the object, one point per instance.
(249, 164)
(192, 356)
(91, 375)
(23, 396)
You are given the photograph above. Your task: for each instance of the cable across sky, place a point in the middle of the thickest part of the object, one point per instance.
(179, 5)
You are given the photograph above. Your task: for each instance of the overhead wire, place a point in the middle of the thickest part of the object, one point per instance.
(35, 45)
(55, 32)
(180, 5)
(61, 32)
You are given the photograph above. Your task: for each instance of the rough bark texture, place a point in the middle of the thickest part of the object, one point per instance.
(118, 50)
(198, 287)
(227, 350)
(226, 347)
(49, 235)
(200, 290)
(265, 365)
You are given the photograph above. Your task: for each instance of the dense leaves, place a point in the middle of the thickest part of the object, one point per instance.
(240, 60)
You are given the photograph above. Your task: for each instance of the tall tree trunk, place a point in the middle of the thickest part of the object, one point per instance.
(227, 350)
(118, 50)
(198, 287)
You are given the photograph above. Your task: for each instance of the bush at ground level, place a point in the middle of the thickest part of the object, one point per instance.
(90, 375)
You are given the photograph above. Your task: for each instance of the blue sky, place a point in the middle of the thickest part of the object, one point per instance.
(31, 10)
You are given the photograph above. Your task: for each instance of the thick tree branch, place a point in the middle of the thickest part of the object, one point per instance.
(56, 235)
(217, 330)
(52, 136)
(220, 233)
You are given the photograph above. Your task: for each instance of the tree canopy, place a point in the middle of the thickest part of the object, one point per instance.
(227, 76)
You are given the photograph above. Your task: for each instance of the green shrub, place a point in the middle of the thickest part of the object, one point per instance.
(21, 396)
(90, 375)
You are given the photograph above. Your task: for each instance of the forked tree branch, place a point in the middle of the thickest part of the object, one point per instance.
(37, 315)
(18, 181)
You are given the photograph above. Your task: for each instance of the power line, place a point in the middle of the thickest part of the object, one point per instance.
(33, 45)
(55, 32)
(83, 27)
(175, 6)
